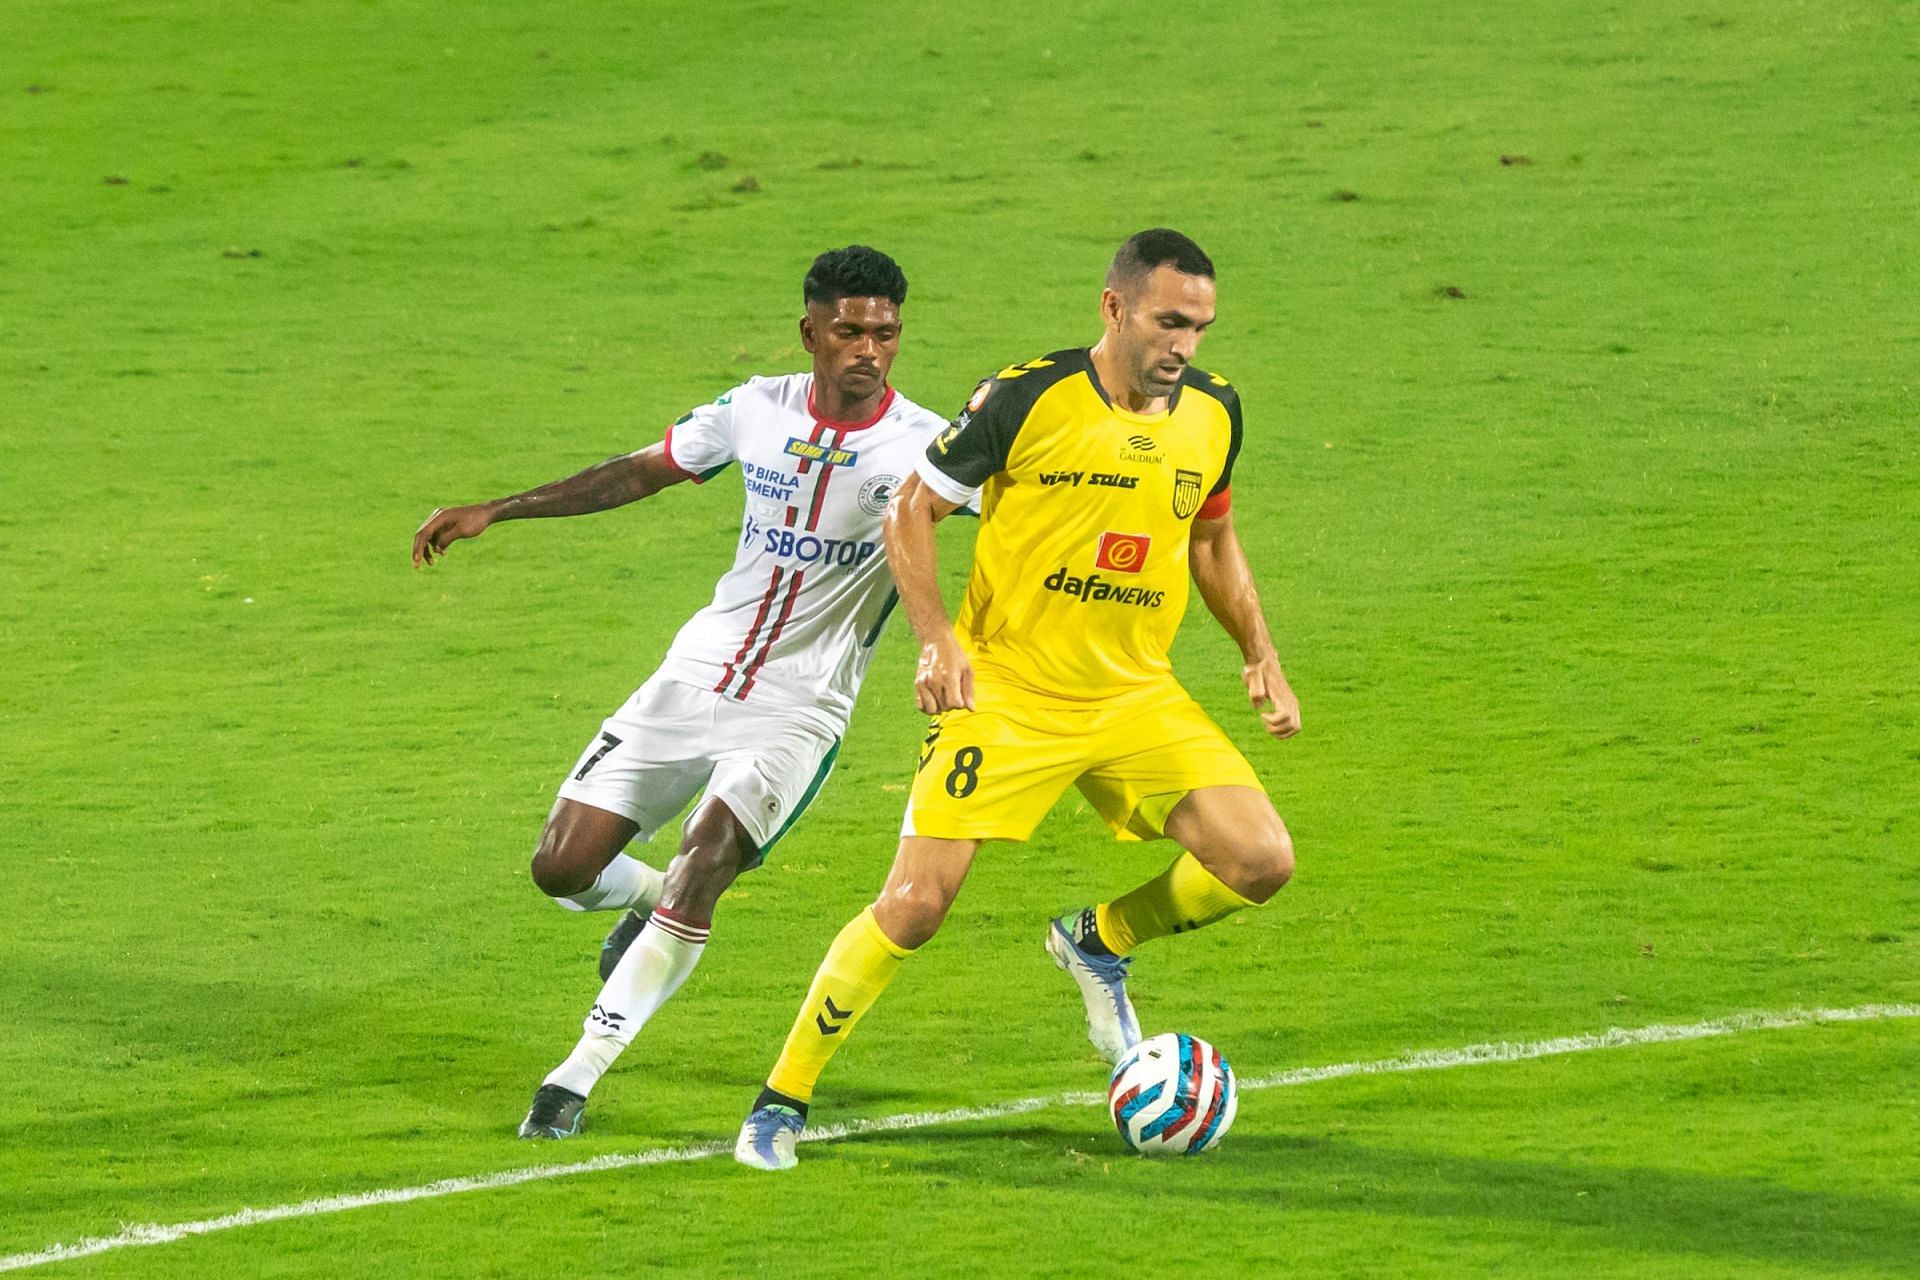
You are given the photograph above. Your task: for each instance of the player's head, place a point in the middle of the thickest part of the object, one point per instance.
(852, 320)
(1157, 305)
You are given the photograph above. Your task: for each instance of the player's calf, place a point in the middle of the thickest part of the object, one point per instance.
(714, 850)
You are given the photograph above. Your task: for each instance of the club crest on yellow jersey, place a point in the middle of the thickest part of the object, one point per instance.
(1186, 492)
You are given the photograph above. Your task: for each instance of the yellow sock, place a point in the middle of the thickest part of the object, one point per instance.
(1184, 896)
(859, 965)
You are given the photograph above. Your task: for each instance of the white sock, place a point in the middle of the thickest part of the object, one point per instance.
(652, 970)
(626, 882)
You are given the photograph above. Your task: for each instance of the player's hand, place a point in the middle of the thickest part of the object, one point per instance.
(945, 678)
(1272, 697)
(446, 526)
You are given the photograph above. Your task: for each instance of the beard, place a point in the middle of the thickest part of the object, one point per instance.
(1151, 381)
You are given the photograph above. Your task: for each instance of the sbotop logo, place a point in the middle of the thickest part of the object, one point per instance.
(806, 548)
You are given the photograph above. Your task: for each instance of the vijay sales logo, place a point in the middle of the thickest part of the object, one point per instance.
(1095, 479)
(1094, 588)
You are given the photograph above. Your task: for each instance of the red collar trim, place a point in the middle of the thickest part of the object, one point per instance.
(886, 403)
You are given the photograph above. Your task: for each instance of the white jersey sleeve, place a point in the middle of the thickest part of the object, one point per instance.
(702, 442)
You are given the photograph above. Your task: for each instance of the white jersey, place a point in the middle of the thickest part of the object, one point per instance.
(794, 622)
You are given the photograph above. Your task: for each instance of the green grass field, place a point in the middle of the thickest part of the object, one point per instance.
(1578, 344)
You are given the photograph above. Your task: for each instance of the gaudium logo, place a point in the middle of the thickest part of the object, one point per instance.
(1122, 552)
(1186, 493)
(1141, 449)
(876, 493)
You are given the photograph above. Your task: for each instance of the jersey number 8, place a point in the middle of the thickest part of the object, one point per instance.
(966, 773)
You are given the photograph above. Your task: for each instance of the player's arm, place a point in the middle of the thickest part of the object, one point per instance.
(960, 459)
(945, 677)
(602, 487)
(1220, 570)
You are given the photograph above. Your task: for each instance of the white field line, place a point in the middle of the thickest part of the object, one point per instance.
(1420, 1060)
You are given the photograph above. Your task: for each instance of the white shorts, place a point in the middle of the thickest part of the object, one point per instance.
(671, 740)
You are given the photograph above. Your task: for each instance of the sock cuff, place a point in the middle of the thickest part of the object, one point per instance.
(675, 926)
(1190, 869)
(871, 927)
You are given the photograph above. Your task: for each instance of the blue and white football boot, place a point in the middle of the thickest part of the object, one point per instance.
(767, 1138)
(1111, 1023)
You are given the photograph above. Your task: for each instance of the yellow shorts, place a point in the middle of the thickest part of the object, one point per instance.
(993, 773)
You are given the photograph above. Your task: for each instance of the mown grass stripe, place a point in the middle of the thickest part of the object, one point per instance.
(1421, 1060)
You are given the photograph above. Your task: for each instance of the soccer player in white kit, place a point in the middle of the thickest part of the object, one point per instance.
(753, 696)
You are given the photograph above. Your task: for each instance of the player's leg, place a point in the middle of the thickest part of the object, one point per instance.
(648, 760)
(926, 877)
(636, 773)
(1182, 780)
(990, 774)
(1238, 855)
(766, 773)
(714, 847)
(921, 886)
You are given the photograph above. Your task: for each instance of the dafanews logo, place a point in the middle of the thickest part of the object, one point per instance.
(1093, 588)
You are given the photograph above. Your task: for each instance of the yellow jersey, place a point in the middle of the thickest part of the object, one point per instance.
(1080, 568)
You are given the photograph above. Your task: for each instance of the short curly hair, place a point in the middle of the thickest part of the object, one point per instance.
(854, 272)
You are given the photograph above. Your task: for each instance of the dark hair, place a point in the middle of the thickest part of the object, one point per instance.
(854, 272)
(1159, 247)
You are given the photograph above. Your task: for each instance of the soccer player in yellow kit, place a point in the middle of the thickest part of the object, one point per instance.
(1103, 478)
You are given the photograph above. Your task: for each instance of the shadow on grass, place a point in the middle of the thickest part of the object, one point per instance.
(1636, 1207)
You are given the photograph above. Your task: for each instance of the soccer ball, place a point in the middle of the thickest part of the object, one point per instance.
(1172, 1094)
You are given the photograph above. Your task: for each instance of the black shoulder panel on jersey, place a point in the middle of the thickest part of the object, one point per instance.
(980, 440)
(1223, 391)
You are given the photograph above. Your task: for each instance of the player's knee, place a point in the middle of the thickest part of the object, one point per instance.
(555, 874)
(1268, 865)
(912, 913)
